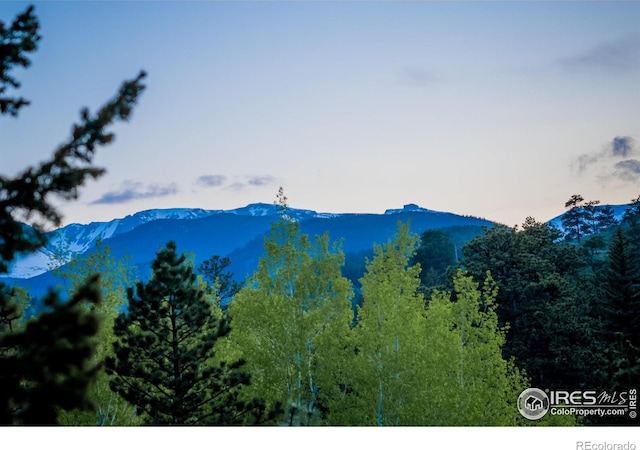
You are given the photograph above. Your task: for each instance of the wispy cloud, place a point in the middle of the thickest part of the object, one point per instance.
(627, 170)
(134, 190)
(617, 56)
(622, 146)
(420, 77)
(237, 182)
(211, 180)
(262, 180)
(237, 186)
(607, 162)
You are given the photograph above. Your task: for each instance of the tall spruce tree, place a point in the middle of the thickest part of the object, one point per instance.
(48, 364)
(621, 311)
(165, 352)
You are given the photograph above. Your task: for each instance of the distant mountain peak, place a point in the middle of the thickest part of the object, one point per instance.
(410, 207)
(256, 210)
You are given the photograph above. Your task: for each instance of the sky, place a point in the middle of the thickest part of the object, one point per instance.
(500, 110)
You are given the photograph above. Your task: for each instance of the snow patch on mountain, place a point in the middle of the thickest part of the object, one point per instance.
(75, 238)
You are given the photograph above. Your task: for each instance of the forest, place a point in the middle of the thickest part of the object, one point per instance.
(415, 336)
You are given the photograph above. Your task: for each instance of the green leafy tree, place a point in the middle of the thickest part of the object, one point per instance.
(165, 348)
(291, 319)
(469, 381)
(49, 364)
(386, 375)
(116, 276)
(437, 365)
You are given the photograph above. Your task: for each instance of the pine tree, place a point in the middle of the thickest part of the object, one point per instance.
(214, 271)
(49, 363)
(581, 219)
(632, 213)
(165, 351)
(605, 218)
(621, 310)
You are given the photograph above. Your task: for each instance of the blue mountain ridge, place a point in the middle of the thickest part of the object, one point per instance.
(238, 234)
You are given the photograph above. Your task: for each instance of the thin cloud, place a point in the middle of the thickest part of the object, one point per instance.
(244, 182)
(619, 56)
(211, 180)
(237, 186)
(133, 190)
(619, 147)
(420, 77)
(263, 180)
(609, 164)
(627, 170)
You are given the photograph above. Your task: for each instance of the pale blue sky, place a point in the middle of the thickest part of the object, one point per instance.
(494, 109)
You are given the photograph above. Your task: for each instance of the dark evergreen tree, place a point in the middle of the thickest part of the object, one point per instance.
(573, 220)
(632, 213)
(621, 312)
(605, 218)
(48, 364)
(586, 218)
(435, 254)
(215, 273)
(546, 303)
(165, 352)
(591, 223)
(582, 219)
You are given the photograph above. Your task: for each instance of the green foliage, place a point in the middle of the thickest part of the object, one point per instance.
(435, 254)
(621, 312)
(473, 384)
(584, 219)
(385, 375)
(547, 303)
(632, 213)
(50, 364)
(214, 272)
(409, 365)
(165, 350)
(291, 318)
(20, 38)
(116, 276)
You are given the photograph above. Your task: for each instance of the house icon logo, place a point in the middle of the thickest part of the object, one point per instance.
(533, 403)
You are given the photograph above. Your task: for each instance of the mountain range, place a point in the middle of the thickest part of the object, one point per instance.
(238, 234)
